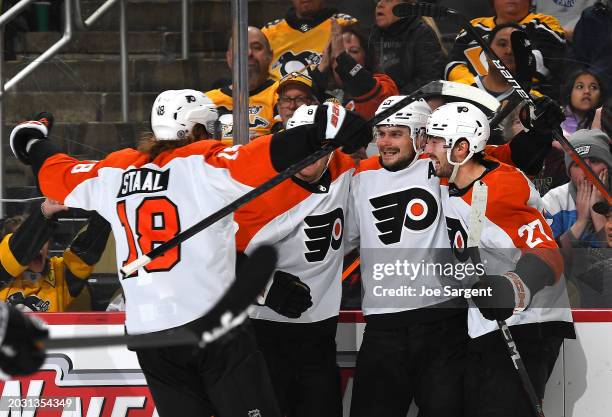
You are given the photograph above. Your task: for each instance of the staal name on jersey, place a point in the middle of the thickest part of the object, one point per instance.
(143, 180)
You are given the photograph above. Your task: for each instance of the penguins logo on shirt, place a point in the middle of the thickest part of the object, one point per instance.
(290, 62)
(416, 209)
(458, 238)
(323, 231)
(255, 121)
(29, 303)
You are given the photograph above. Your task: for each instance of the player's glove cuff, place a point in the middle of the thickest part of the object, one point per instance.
(24, 136)
(522, 294)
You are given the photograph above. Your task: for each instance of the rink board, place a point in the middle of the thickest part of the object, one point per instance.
(107, 382)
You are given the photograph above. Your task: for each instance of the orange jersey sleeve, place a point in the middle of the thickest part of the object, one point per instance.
(502, 153)
(61, 173)
(515, 206)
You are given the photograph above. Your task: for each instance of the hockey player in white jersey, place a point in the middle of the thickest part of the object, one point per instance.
(523, 283)
(303, 218)
(150, 195)
(413, 345)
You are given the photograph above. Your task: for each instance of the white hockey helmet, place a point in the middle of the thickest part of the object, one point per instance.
(176, 112)
(303, 115)
(460, 120)
(413, 116)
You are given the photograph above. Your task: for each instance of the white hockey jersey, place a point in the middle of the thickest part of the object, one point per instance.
(147, 203)
(306, 227)
(513, 225)
(397, 216)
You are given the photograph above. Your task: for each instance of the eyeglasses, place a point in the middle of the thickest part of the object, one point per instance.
(298, 101)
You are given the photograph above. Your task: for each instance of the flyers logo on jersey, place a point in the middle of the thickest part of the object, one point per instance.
(458, 238)
(416, 209)
(323, 231)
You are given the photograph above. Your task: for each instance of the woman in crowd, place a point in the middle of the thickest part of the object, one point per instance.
(582, 95)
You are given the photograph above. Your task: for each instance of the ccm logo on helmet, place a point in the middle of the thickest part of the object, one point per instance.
(416, 209)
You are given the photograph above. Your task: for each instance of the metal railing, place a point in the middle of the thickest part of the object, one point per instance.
(9, 15)
(240, 57)
(240, 85)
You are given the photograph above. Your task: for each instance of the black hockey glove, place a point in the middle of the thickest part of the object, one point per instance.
(546, 116)
(28, 132)
(288, 295)
(332, 122)
(20, 352)
(524, 59)
(503, 295)
(343, 126)
(89, 245)
(528, 151)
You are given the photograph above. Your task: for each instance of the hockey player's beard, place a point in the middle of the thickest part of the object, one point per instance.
(398, 164)
(442, 168)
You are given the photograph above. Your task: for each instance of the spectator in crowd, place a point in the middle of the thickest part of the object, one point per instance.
(346, 73)
(262, 90)
(593, 278)
(592, 42)
(514, 55)
(31, 281)
(577, 227)
(582, 94)
(294, 89)
(544, 31)
(603, 208)
(406, 49)
(299, 39)
(574, 223)
(566, 12)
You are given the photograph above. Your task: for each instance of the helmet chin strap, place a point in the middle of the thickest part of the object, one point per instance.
(456, 165)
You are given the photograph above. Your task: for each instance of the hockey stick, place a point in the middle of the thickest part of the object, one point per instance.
(128, 269)
(431, 10)
(476, 223)
(230, 311)
(351, 268)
